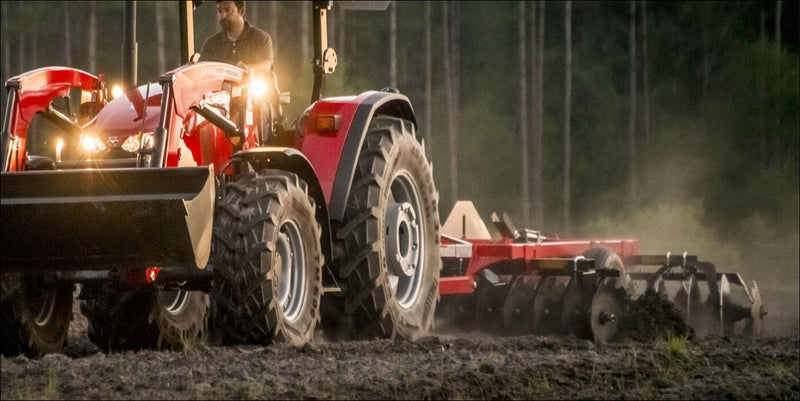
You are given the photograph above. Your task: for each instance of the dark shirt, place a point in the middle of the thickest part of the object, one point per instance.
(253, 47)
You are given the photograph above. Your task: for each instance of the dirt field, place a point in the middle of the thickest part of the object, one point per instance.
(442, 366)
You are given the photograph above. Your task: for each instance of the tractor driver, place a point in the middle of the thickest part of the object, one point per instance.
(238, 42)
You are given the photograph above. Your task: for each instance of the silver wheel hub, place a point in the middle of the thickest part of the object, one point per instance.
(290, 257)
(402, 239)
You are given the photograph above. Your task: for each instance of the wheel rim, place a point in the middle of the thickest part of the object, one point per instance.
(42, 303)
(292, 259)
(173, 301)
(404, 240)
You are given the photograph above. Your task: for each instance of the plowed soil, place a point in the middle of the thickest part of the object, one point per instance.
(467, 365)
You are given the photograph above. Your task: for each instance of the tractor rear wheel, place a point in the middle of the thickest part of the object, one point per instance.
(267, 260)
(390, 235)
(131, 319)
(35, 317)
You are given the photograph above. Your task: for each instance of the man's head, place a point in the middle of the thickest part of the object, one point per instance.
(230, 14)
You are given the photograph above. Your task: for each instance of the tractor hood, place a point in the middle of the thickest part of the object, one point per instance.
(126, 115)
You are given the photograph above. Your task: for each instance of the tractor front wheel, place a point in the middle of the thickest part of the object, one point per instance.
(35, 317)
(267, 260)
(133, 319)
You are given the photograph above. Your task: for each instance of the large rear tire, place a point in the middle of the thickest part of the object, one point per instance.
(35, 317)
(129, 319)
(390, 236)
(267, 260)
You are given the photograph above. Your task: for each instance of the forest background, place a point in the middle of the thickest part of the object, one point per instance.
(674, 122)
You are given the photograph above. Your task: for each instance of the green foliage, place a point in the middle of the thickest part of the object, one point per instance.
(676, 344)
(51, 386)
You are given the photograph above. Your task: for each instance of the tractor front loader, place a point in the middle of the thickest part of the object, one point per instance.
(523, 282)
(189, 210)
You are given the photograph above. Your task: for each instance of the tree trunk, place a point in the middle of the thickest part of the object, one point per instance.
(393, 44)
(22, 43)
(67, 34)
(339, 29)
(34, 62)
(778, 7)
(305, 32)
(632, 192)
(537, 53)
(450, 69)
(92, 37)
(774, 136)
(273, 28)
(762, 142)
(567, 113)
(161, 52)
(645, 79)
(6, 44)
(523, 112)
(428, 80)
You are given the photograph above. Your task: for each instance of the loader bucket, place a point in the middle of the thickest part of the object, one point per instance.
(106, 218)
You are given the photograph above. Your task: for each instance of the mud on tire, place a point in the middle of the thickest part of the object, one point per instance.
(35, 318)
(390, 236)
(267, 261)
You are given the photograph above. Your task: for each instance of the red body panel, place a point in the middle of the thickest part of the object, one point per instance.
(485, 253)
(36, 89)
(123, 117)
(324, 149)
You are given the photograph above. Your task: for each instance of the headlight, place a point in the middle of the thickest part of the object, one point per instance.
(91, 143)
(132, 143)
(258, 87)
(116, 91)
(59, 149)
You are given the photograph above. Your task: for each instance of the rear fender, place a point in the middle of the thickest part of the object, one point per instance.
(291, 160)
(334, 153)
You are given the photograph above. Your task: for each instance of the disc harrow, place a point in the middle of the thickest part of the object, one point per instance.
(522, 282)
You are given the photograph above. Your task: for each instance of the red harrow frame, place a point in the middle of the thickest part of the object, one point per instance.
(524, 282)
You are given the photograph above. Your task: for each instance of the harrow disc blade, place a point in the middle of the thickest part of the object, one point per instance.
(701, 315)
(488, 307)
(726, 324)
(757, 313)
(738, 310)
(518, 308)
(547, 306)
(575, 314)
(682, 299)
(607, 310)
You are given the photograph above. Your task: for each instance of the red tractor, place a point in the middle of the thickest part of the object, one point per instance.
(189, 209)
(191, 202)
